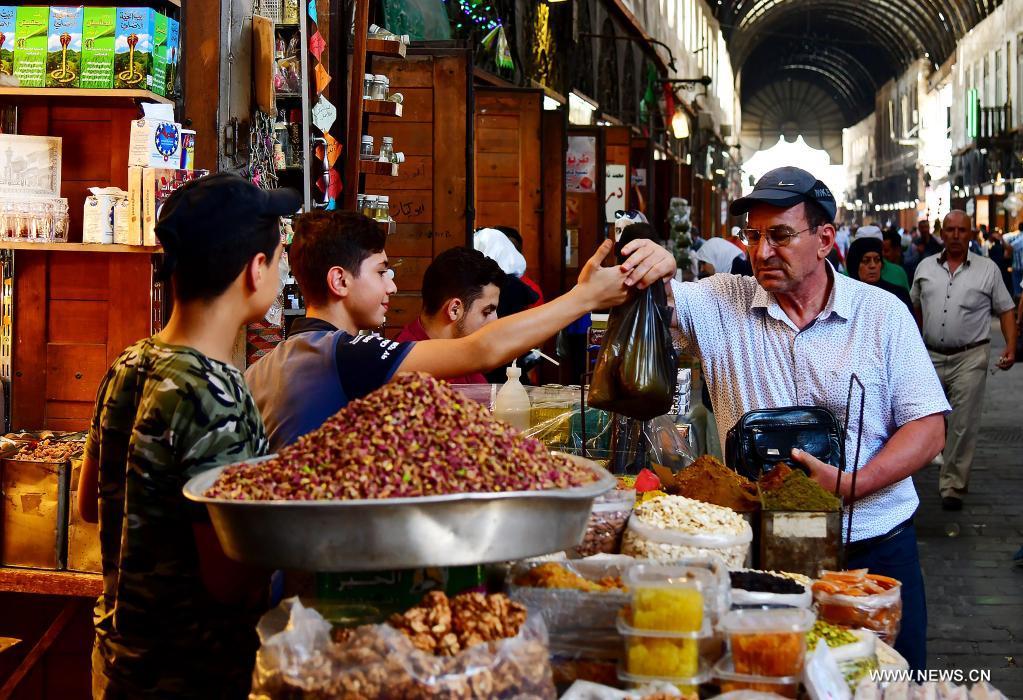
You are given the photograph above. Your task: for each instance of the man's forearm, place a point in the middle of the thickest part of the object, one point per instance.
(910, 449)
(1009, 329)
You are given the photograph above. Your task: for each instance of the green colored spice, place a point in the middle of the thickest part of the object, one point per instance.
(799, 492)
(833, 635)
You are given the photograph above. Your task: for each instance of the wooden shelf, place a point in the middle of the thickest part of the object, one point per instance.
(82, 92)
(383, 108)
(288, 95)
(63, 583)
(386, 47)
(375, 167)
(80, 247)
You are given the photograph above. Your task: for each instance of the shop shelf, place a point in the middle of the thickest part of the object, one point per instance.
(383, 108)
(386, 47)
(80, 247)
(375, 167)
(62, 583)
(82, 92)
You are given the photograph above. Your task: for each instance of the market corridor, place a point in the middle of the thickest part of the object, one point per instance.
(974, 594)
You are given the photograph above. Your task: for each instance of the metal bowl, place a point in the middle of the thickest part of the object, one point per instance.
(400, 533)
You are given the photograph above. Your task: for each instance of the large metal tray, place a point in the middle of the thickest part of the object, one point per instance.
(400, 533)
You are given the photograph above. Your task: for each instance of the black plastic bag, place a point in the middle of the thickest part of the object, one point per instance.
(637, 367)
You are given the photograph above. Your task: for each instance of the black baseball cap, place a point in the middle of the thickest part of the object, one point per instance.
(786, 187)
(220, 206)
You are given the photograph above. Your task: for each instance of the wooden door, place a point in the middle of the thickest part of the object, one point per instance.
(428, 198)
(508, 189)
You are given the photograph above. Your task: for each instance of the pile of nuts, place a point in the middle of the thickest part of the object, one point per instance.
(603, 533)
(675, 527)
(416, 436)
(49, 451)
(380, 661)
(445, 627)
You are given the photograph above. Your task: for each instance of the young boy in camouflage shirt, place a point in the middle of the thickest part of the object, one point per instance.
(177, 618)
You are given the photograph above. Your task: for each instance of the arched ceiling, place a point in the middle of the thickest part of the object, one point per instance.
(843, 49)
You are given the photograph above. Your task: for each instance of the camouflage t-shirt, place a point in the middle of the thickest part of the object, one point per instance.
(164, 414)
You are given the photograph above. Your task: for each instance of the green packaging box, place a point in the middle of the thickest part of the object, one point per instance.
(8, 15)
(98, 47)
(64, 47)
(30, 30)
(158, 79)
(173, 55)
(133, 48)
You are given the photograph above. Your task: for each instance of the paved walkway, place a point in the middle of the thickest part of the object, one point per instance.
(974, 593)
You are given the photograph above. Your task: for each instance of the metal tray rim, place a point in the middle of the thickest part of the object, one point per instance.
(195, 488)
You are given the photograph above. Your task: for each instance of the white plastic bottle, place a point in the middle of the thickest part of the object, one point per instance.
(512, 403)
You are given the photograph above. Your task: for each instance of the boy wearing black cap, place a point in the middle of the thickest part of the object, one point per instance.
(339, 261)
(176, 617)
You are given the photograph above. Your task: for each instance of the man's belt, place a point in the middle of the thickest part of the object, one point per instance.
(962, 348)
(861, 546)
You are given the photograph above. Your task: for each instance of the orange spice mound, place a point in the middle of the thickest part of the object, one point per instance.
(710, 481)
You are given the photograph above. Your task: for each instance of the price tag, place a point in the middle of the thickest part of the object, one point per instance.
(804, 525)
(324, 114)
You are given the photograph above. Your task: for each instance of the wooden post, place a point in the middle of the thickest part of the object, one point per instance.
(352, 144)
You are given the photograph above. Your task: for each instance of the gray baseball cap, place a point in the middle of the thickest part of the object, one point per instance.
(786, 187)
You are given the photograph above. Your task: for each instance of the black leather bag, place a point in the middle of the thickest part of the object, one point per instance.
(762, 438)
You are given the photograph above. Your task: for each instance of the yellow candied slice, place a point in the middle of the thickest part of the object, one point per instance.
(663, 658)
(672, 610)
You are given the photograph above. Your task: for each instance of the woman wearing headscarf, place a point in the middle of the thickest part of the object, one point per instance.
(715, 256)
(864, 264)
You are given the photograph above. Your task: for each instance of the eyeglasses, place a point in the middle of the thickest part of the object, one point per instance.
(777, 236)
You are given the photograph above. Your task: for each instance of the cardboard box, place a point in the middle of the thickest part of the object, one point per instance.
(134, 233)
(64, 47)
(154, 144)
(98, 30)
(157, 81)
(98, 219)
(157, 185)
(8, 17)
(30, 30)
(122, 220)
(133, 48)
(173, 55)
(187, 149)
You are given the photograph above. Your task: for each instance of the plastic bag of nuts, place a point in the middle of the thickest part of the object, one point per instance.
(298, 659)
(607, 523)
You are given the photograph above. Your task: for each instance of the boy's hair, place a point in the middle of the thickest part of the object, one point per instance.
(458, 273)
(212, 228)
(326, 239)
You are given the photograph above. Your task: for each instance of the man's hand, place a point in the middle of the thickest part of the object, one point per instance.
(1007, 360)
(647, 262)
(824, 474)
(603, 286)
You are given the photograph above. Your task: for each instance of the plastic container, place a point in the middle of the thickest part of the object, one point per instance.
(386, 149)
(512, 405)
(366, 152)
(721, 600)
(858, 659)
(381, 86)
(689, 686)
(744, 598)
(573, 613)
(607, 523)
(731, 681)
(369, 206)
(768, 642)
(880, 613)
(383, 210)
(668, 598)
(367, 86)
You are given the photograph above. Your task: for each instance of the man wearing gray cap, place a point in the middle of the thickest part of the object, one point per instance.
(792, 336)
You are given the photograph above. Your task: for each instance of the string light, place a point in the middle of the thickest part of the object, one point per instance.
(475, 10)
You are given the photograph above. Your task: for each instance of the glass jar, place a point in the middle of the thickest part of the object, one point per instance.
(360, 202)
(383, 211)
(369, 206)
(367, 86)
(381, 86)
(367, 147)
(386, 149)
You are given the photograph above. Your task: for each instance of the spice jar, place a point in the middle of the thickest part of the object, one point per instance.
(386, 148)
(383, 208)
(369, 206)
(367, 86)
(381, 87)
(367, 147)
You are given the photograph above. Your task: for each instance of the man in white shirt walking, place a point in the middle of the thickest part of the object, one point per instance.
(792, 336)
(955, 294)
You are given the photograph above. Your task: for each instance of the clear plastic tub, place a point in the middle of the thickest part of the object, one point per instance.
(606, 526)
(668, 597)
(662, 653)
(731, 680)
(688, 685)
(858, 659)
(721, 600)
(768, 642)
